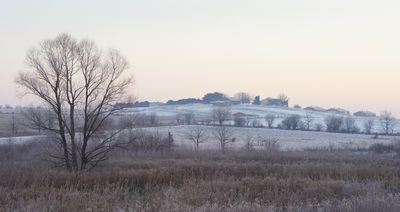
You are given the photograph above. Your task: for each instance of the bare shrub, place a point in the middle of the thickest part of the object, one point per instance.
(368, 125)
(269, 143)
(270, 120)
(350, 125)
(396, 145)
(256, 123)
(292, 122)
(334, 123)
(206, 181)
(319, 127)
(180, 119)
(153, 119)
(380, 148)
(142, 141)
(308, 120)
(249, 143)
(387, 122)
(221, 114)
(189, 118)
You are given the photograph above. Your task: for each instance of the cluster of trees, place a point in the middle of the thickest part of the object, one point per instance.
(227, 135)
(348, 124)
(238, 98)
(141, 141)
(220, 115)
(184, 101)
(139, 120)
(6, 107)
(336, 123)
(129, 105)
(223, 134)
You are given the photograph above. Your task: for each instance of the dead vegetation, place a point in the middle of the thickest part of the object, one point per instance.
(181, 180)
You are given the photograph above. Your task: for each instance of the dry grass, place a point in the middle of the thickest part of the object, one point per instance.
(204, 181)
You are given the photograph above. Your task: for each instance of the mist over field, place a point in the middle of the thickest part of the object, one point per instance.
(200, 105)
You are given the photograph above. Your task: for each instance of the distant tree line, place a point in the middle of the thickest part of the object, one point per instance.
(217, 97)
(223, 116)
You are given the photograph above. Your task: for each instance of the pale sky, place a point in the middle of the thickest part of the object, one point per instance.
(338, 53)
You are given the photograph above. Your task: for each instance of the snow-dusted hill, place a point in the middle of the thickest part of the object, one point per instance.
(287, 139)
(253, 111)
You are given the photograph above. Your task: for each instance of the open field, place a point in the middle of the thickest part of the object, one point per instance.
(308, 171)
(287, 139)
(166, 115)
(257, 112)
(185, 180)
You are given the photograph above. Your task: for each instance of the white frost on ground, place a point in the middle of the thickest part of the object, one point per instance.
(254, 111)
(17, 140)
(288, 139)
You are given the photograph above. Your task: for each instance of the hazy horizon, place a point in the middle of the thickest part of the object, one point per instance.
(329, 54)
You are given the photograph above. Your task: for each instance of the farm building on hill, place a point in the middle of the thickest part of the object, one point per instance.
(364, 114)
(338, 111)
(316, 109)
(275, 102)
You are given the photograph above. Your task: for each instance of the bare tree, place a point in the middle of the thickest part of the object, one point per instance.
(387, 122)
(224, 135)
(270, 120)
(334, 123)
(368, 125)
(249, 143)
(243, 97)
(197, 135)
(308, 120)
(220, 114)
(180, 119)
(129, 122)
(153, 119)
(13, 124)
(80, 86)
(133, 120)
(269, 144)
(319, 127)
(188, 118)
(292, 122)
(131, 99)
(256, 123)
(284, 99)
(39, 118)
(350, 124)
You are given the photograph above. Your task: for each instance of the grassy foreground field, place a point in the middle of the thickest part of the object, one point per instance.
(202, 181)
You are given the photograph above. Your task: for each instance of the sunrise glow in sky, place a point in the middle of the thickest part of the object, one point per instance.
(342, 53)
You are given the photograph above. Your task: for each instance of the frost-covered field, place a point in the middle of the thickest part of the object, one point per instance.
(19, 140)
(253, 111)
(295, 140)
(288, 139)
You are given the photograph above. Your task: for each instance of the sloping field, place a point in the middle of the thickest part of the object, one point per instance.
(254, 111)
(287, 139)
